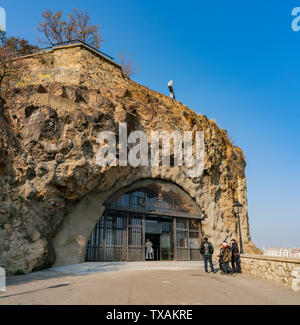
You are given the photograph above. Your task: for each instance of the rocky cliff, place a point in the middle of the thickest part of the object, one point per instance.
(47, 162)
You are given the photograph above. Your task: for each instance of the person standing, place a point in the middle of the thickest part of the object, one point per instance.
(207, 250)
(226, 258)
(221, 258)
(235, 259)
(149, 250)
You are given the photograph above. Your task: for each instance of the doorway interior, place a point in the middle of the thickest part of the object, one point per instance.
(155, 240)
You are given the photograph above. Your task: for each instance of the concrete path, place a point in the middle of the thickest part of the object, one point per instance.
(88, 268)
(123, 284)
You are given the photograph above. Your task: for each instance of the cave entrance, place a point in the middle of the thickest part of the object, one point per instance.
(155, 210)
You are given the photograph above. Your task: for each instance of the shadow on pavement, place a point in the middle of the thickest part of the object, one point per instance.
(64, 271)
(37, 290)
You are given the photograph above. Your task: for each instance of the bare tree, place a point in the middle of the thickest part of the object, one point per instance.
(53, 27)
(127, 63)
(78, 27)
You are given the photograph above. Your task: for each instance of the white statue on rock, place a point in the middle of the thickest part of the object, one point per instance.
(171, 88)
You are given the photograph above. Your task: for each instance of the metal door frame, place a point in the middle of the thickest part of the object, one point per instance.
(93, 250)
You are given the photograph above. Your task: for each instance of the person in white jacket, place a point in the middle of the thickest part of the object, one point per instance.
(149, 250)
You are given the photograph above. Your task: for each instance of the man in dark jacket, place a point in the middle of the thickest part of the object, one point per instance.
(235, 259)
(207, 249)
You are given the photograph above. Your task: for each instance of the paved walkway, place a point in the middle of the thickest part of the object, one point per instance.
(88, 268)
(129, 284)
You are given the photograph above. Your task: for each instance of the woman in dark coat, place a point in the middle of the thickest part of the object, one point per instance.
(226, 258)
(221, 258)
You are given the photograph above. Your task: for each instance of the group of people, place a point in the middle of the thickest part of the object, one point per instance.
(228, 254)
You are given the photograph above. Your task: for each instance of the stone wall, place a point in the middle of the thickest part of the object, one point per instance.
(277, 269)
(74, 64)
(50, 66)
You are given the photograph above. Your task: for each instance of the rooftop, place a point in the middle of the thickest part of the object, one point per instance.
(70, 44)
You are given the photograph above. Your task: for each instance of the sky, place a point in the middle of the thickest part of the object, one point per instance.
(235, 61)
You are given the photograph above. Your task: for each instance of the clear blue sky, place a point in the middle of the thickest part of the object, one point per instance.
(235, 61)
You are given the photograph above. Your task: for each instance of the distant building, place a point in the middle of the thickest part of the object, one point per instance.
(295, 252)
(282, 252)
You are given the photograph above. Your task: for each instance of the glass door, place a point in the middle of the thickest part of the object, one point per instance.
(182, 236)
(165, 247)
(136, 237)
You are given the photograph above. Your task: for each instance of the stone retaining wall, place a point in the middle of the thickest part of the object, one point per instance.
(277, 269)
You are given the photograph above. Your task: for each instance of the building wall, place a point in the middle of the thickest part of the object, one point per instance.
(56, 65)
(103, 73)
(282, 252)
(72, 65)
(77, 65)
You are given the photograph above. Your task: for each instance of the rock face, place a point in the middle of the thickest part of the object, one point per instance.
(48, 170)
